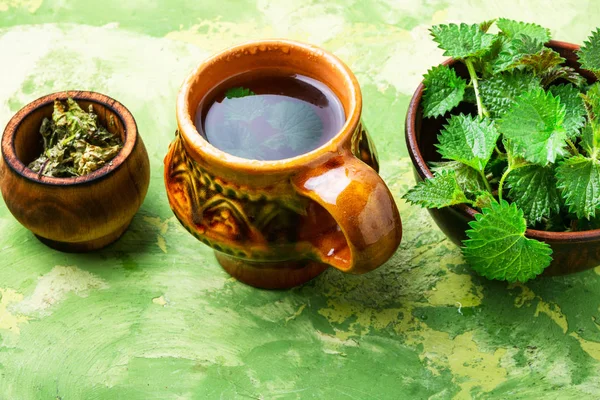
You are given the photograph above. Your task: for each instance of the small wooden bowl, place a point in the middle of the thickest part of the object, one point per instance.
(572, 251)
(74, 214)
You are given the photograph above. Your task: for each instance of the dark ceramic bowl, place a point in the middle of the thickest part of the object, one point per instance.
(572, 251)
(74, 214)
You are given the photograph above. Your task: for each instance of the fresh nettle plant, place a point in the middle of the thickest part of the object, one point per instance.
(527, 155)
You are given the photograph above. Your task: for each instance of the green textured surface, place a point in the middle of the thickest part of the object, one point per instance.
(153, 316)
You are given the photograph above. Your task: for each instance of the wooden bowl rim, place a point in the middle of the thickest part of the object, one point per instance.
(468, 212)
(127, 120)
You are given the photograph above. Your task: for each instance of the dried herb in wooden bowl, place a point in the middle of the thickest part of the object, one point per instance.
(75, 143)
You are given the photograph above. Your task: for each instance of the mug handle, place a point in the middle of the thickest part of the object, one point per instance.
(368, 229)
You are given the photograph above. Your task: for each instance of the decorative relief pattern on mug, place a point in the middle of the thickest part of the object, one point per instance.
(236, 220)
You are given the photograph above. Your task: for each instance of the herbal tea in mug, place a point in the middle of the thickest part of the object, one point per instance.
(269, 116)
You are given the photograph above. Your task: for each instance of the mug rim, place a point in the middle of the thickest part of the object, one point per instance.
(201, 148)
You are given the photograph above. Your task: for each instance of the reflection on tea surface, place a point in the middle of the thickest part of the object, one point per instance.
(272, 117)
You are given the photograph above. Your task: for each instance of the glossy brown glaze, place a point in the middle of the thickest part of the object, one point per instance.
(278, 224)
(572, 251)
(73, 214)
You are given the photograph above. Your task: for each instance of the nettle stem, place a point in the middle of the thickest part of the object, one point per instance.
(511, 167)
(487, 184)
(501, 184)
(481, 110)
(573, 148)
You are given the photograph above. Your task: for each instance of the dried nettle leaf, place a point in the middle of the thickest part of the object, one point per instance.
(75, 144)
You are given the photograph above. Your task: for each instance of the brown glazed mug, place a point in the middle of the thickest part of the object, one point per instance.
(278, 224)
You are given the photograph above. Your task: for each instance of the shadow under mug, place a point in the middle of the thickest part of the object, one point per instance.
(278, 224)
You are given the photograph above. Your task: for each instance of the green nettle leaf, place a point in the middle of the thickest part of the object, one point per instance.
(440, 191)
(542, 61)
(469, 140)
(470, 96)
(592, 105)
(579, 179)
(533, 189)
(563, 72)
(589, 54)
(513, 28)
(514, 50)
(498, 249)
(444, 90)
(485, 63)
(298, 125)
(484, 200)
(486, 25)
(468, 178)
(236, 92)
(462, 41)
(498, 93)
(574, 108)
(591, 136)
(589, 141)
(534, 127)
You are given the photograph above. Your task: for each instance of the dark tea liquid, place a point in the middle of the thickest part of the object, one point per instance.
(270, 117)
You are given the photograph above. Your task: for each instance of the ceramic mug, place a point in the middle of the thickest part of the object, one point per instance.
(278, 224)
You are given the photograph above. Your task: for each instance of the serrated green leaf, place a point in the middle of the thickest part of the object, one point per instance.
(533, 189)
(513, 28)
(499, 92)
(486, 25)
(534, 127)
(498, 249)
(469, 140)
(462, 41)
(438, 192)
(484, 200)
(574, 108)
(589, 141)
(541, 61)
(513, 50)
(589, 53)
(470, 95)
(468, 178)
(484, 64)
(562, 72)
(444, 90)
(237, 92)
(591, 102)
(579, 179)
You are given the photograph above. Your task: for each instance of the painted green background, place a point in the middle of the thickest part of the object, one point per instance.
(154, 317)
